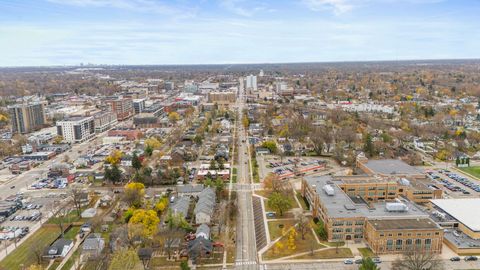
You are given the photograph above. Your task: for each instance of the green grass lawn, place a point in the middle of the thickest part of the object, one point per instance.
(69, 218)
(302, 201)
(474, 170)
(274, 229)
(25, 253)
(366, 252)
(309, 243)
(328, 254)
(72, 232)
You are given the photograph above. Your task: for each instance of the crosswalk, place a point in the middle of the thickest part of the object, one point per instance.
(239, 263)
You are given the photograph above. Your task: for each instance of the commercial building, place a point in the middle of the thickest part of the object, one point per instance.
(104, 121)
(138, 105)
(222, 98)
(27, 117)
(122, 107)
(76, 129)
(352, 217)
(251, 82)
(461, 223)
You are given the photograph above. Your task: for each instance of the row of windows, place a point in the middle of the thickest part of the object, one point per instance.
(410, 234)
(399, 244)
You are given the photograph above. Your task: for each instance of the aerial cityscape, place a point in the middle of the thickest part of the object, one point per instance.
(239, 134)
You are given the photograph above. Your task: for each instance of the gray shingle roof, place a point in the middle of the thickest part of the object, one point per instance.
(181, 206)
(206, 202)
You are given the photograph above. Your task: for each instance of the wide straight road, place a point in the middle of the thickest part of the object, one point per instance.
(246, 252)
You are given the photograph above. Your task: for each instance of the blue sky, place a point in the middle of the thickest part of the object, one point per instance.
(66, 32)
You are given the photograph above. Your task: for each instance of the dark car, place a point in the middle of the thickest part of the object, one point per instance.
(12, 187)
(455, 259)
(358, 261)
(471, 258)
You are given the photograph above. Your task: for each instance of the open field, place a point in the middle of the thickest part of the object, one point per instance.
(474, 170)
(301, 246)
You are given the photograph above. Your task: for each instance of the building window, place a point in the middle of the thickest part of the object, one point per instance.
(418, 243)
(437, 233)
(382, 235)
(399, 244)
(409, 243)
(349, 223)
(428, 243)
(389, 244)
(390, 235)
(399, 234)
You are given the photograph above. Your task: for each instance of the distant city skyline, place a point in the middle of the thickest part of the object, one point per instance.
(148, 32)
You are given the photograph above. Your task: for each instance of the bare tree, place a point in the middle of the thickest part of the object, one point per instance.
(303, 223)
(418, 260)
(77, 193)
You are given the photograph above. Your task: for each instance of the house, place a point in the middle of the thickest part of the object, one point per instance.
(59, 249)
(89, 213)
(93, 246)
(181, 206)
(203, 231)
(199, 248)
(205, 206)
(189, 190)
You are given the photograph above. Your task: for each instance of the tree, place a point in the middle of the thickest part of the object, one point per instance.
(368, 264)
(58, 140)
(184, 265)
(270, 145)
(114, 158)
(124, 259)
(153, 142)
(161, 205)
(136, 163)
(134, 193)
(148, 151)
(113, 174)
(368, 145)
(303, 223)
(418, 260)
(173, 117)
(273, 183)
(292, 234)
(77, 193)
(279, 203)
(278, 247)
(148, 219)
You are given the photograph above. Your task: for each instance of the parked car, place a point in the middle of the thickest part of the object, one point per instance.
(455, 259)
(376, 260)
(470, 258)
(348, 261)
(358, 261)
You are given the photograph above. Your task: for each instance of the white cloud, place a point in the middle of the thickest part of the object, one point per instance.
(337, 6)
(145, 6)
(344, 6)
(243, 8)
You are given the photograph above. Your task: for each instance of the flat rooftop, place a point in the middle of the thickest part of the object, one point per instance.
(463, 210)
(391, 166)
(340, 205)
(404, 224)
(362, 179)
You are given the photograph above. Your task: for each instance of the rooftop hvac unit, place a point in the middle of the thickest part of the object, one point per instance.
(329, 190)
(404, 182)
(396, 207)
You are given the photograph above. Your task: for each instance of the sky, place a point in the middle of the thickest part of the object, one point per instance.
(162, 32)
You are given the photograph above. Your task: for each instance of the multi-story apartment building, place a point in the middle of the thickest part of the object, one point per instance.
(346, 216)
(138, 105)
(104, 121)
(122, 107)
(27, 117)
(76, 129)
(222, 97)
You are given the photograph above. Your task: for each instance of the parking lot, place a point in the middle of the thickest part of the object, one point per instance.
(291, 166)
(455, 184)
